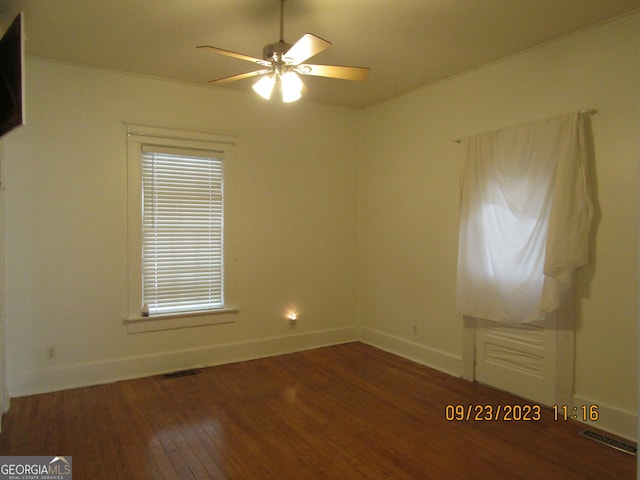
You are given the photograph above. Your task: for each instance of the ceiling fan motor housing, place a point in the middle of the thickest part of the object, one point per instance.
(275, 51)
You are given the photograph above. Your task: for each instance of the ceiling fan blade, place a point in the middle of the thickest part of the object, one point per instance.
(305, 48)
(241, 76)
(334, 71)
(229, 53)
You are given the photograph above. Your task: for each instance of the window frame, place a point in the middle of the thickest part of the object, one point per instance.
(141, 136)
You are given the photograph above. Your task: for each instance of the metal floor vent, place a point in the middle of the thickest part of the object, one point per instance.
(610, 442)
(180, 373)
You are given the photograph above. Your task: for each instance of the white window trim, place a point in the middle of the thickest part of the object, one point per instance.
(137, 136)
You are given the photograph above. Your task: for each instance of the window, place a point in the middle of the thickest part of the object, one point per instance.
(182, 231)
(525, 219)
(180, 196)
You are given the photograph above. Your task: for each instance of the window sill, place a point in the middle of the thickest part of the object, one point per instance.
(140, 324)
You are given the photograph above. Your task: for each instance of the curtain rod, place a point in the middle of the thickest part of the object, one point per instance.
(590, 111)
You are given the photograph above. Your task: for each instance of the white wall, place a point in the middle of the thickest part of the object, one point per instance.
(66, 238)
(410, 171)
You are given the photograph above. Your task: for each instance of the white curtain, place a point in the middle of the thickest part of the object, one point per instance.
(526, 211)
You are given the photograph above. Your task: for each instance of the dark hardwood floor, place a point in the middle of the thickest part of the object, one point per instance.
(344, 412)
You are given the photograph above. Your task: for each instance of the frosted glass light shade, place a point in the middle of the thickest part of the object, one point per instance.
(291, 87)
(264, 86)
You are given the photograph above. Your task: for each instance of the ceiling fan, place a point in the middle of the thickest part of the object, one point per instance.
(282, 63)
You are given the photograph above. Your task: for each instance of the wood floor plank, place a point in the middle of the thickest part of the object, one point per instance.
(344, 412)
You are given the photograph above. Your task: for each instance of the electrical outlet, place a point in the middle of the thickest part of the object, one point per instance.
(415, 330)
(51, 353)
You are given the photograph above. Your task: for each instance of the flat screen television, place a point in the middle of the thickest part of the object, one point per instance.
(12, 106)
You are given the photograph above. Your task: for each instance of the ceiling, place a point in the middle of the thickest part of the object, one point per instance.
(407, 43)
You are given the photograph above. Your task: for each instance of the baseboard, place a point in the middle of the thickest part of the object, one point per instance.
(95, 373)
(610, 419)
(431, 357)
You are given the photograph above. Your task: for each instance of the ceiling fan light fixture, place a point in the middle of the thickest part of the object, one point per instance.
(282, 63)
(264, 86)
(291, 87)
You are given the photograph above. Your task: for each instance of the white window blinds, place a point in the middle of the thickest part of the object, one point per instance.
(182, 231)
